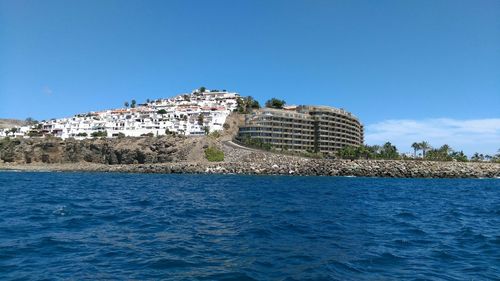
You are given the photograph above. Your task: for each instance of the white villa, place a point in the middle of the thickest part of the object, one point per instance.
(189, 114)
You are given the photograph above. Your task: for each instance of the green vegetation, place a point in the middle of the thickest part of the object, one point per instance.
(149, 135)
(99, 134)
(247, 104)
(202, 89)
(35, 133)
(416, 147)
(458, 156)
(162, 111)
(214, 154)
(441, 154)
(424, 146)
(479, 157)
(133, 103)
(82, 135)
(200, 119)
(214, 134)
(257, 143)
(206, 129)
(120, 135)
(275, 103)
(168, 132)
(126, 104)
(352, 152)
(387, 151)
(30, 121)
(444, 153)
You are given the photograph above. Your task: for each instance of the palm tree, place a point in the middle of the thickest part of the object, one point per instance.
(416, 147)
(425, 146)
(126, 104)
(446, 148)
(477, 157)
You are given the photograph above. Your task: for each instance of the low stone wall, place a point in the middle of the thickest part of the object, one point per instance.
(305, 167)
(365, 168)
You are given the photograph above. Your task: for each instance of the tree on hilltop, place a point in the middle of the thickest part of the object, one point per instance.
(126, 104)
(31, 121)
(246, 104)
(275, 103)
(133, 103)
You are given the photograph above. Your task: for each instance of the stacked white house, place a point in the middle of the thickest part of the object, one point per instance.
(196, 113)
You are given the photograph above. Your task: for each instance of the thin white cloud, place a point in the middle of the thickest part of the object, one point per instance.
(474, 135)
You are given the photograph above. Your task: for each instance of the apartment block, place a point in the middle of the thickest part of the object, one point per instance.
(303, 128)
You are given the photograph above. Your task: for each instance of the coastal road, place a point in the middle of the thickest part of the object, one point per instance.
(237, 146)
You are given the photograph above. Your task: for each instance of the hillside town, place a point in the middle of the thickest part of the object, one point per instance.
(197, 113)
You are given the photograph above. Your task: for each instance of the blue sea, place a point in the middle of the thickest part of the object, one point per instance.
(99, 226)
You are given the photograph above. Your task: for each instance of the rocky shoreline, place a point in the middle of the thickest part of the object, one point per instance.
(295, 167)
(180, 155)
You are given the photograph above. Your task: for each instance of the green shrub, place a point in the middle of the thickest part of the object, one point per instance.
(214, 134)
(214, 154)
(99, 134)
(34, 133)
(257, 143)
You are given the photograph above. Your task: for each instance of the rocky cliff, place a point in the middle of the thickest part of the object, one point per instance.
(101, 151)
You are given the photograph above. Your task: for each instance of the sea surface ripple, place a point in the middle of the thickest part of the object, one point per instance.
(98, 226)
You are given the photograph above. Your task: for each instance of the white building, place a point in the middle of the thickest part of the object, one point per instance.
(187, 114)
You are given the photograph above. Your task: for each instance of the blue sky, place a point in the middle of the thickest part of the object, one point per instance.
(391, 63)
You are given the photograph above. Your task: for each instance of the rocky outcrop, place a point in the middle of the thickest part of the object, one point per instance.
(102, 151)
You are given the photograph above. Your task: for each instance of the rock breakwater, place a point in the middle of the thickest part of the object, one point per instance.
(307, 167)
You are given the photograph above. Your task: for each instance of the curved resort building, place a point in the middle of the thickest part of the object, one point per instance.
(303, 128)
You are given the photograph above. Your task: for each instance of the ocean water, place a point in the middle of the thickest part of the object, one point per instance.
(101, 226)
